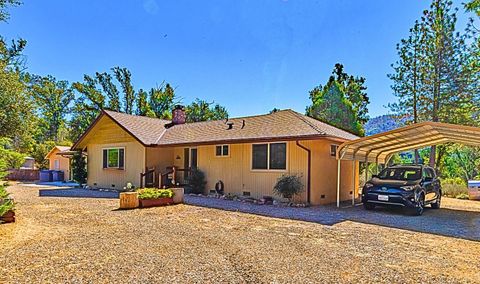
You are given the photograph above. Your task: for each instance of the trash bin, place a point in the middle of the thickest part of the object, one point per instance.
(45, 176)
(474, 189)
(58, 176)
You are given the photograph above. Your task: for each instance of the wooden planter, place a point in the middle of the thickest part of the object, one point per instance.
(144, 203)
(8, 217)
(128, 200)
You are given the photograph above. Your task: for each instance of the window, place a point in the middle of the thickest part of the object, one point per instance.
(222, 150)
(113, 158)
(278, 156)
(272, 156)
(56, 164)
(333, 150)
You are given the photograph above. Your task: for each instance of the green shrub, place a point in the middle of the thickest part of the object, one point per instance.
(288, 186)
(79, 168)
(455, 181)
(3, 169)
(462, 196)
(6, 204)
(196, 181)
(154, 193)
(453, 190)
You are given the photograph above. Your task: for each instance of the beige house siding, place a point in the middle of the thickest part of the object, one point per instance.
(236, 173)
(63, 163)
(107, 134)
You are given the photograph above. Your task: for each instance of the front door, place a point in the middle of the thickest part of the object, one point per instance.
(190, 159)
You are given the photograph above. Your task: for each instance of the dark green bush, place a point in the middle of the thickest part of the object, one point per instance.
(196, 181)
(288, 186)
(79, 168)
(154, 193)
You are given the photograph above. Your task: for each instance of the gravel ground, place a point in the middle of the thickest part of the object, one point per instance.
(85, 240)
(458, 218)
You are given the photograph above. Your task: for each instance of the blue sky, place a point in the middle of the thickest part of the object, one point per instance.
(249, 56)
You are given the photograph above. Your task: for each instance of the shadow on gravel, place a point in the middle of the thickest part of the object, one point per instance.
(445, 222)
(77, 192)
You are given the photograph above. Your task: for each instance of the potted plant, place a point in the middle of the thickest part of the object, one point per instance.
(7, 206)
(151, 197)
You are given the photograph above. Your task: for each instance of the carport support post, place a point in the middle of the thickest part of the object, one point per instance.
(354, 186)
(366, 171)
(338, 182)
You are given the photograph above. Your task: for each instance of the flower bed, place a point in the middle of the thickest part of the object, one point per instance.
(152, 197)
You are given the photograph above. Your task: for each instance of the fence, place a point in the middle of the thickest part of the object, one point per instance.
(23, 174)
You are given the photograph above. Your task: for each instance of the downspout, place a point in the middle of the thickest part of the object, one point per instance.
(309, 168)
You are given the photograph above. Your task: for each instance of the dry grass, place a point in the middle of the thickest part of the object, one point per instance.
(60, 240)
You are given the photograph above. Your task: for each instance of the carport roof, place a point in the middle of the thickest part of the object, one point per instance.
(378, 148)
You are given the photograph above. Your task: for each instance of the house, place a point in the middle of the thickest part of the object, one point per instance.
(29, 164)
(248, 154)
(59, 161)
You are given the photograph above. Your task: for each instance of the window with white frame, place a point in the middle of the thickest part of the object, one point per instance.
(269, 156)
(114, 158)
(56, 164)
(222, 150)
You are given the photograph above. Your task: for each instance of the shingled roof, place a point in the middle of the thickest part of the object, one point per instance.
(284, 124)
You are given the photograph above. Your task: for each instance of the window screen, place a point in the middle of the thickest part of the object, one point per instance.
(278, 156)
(259, 156)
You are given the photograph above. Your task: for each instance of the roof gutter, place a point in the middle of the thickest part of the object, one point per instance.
(309, 168)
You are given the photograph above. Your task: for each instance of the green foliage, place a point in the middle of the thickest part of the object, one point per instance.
(288, 186)
(40, 151)
(6, 204)
(200, 110)
(79, 168)
(162, 100)
(436, 76)
(342, 102)
(462, 196)
(4, 15)
(154, 193)
(453, 181)
(196, 181)
(330, 105)
(52, 99)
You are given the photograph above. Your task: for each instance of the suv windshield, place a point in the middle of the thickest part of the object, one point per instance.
(401, 173)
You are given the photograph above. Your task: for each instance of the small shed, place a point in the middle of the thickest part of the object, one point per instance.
(58, 162)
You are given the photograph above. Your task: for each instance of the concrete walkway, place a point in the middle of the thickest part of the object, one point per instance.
(447, 222)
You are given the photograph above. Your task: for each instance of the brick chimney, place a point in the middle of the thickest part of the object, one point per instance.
(178, 115)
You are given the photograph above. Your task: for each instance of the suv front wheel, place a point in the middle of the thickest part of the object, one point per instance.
(436, 204)
(420, 205)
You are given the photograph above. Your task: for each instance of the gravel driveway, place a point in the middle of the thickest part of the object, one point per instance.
(86, 240)
(458, 218)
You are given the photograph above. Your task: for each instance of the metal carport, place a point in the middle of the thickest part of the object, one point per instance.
(379, 148)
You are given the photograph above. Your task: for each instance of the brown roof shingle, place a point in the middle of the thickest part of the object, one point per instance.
(284, 124)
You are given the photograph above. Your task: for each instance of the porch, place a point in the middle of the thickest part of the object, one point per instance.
(171, 176)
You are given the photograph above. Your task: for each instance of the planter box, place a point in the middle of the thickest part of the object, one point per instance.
(178, 195)
(144, 203)
(8, 217)
(129, 200)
